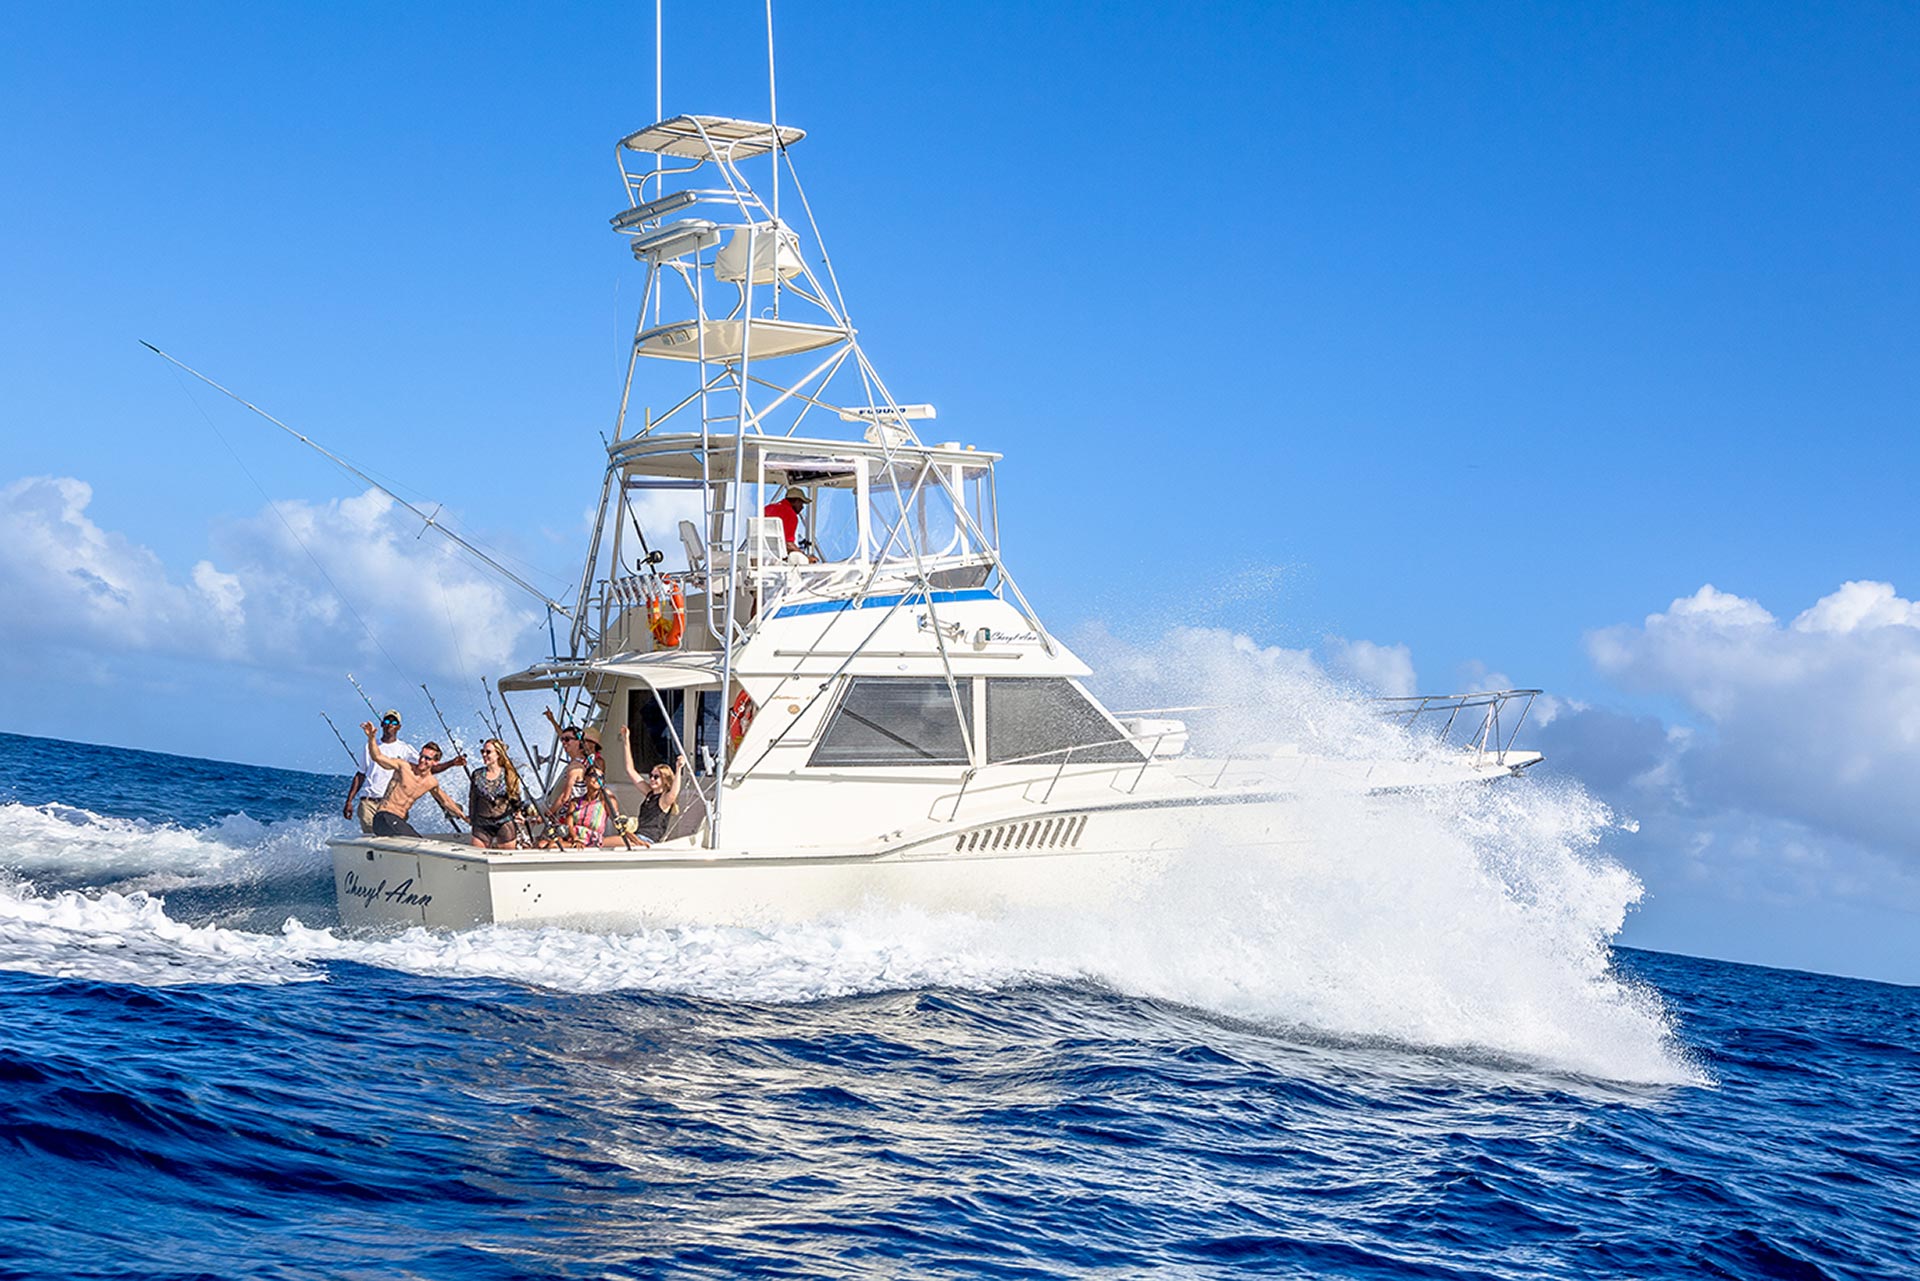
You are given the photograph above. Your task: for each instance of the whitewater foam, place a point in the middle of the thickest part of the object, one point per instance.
(70, 846)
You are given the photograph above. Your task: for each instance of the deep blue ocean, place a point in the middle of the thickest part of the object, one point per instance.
(1419, 1057)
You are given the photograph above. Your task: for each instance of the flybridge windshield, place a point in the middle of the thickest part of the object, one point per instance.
(870, 509)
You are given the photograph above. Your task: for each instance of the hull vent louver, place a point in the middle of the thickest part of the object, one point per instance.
(1058, 833)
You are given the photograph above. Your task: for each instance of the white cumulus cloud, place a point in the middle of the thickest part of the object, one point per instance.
(1385, 669)
(1816, 721)
(297, 586)
(74, 583)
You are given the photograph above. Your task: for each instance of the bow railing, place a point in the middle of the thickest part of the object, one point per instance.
(1489, 721)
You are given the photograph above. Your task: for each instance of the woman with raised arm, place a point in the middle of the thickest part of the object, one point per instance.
(659, 792)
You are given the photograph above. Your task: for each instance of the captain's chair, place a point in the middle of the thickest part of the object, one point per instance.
(776, 252)
(696, 549)
(765, 546)
(776, 256)
(766, 541)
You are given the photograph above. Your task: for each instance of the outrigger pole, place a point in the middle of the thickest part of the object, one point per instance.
(428, 519)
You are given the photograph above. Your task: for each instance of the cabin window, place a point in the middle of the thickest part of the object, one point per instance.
(652, 738)
(886, 720)
(1043, 717)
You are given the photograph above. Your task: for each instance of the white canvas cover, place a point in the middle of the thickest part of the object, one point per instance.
(735, 139)
(667, 669)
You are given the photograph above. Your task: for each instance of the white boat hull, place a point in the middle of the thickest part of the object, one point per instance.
(1066, 859)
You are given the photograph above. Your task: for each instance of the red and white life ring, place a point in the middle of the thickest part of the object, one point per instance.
(739, 718)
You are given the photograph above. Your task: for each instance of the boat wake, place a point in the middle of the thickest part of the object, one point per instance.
(1476, 920)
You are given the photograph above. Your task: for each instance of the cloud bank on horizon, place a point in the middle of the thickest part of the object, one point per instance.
(308, 587)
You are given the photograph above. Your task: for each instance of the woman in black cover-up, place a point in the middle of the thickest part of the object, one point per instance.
(493, 798)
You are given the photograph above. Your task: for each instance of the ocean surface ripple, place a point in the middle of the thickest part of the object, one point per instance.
(202, 1076)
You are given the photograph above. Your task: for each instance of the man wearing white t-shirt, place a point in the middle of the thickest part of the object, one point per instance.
(374, 775)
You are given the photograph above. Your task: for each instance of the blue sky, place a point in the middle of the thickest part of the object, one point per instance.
(1478, 333)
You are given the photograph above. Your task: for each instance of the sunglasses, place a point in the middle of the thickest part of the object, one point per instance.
(389, 721)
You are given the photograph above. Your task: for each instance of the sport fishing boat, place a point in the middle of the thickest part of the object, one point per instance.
(871, 706)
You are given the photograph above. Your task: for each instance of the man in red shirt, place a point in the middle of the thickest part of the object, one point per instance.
(788, 511)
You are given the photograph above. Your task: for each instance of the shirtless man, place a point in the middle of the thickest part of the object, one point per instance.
(411, 781)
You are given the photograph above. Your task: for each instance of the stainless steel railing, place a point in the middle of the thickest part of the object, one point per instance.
(1493, 725)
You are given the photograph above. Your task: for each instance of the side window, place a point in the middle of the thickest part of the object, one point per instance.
(886, 720)
(1030, 716)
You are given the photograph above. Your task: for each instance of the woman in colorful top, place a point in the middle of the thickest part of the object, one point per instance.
(583, 822)
(493, 798)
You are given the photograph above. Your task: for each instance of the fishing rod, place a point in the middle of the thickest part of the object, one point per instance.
(526, 804)
(363, 698)
(491, 722)
(444, 727)
(429, 520)
(531, 759)
(451, 742)
(343, 742)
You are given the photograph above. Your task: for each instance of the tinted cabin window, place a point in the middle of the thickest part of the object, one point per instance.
(887, 720)
(1027, 717)
(652, 739)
